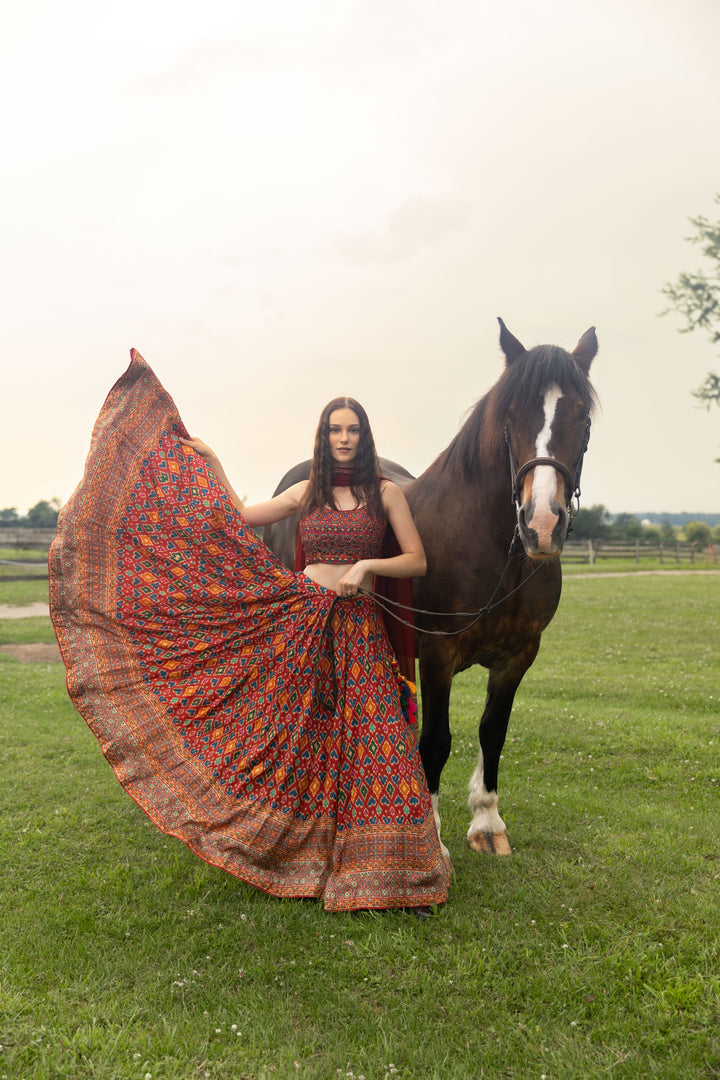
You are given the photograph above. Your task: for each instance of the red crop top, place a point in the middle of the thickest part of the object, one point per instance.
(341, 536)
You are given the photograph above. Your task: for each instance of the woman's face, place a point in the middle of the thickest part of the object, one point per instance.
(344, 436)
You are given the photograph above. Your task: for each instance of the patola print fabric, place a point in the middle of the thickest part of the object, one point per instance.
(251, 713)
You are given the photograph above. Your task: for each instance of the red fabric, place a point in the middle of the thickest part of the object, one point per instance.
(398, 590)
(337, 537)
(249, 712)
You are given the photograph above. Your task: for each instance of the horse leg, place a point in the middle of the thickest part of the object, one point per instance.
(487, 832)
(435, 739)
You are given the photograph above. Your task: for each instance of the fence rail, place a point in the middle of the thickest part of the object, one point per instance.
(590, 551)
(26, 538)
(578, 551)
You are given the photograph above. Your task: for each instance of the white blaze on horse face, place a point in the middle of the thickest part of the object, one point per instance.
(542, 516)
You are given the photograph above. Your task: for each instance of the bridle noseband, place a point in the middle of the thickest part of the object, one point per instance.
(572, 479)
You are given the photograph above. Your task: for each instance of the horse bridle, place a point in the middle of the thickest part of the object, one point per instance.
(517, 475)
(572, 479)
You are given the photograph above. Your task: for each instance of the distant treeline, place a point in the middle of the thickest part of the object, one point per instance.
(597, 523)
(680, 519)
(594, 523)
(42, 515)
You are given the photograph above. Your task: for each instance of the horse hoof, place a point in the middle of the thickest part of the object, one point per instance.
(490, 843)
(448, 863)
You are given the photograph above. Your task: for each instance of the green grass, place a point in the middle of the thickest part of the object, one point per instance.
(591, 952)
(19, 593)
(628, 565)
(22, 561)
(23, 553)
(26, 631)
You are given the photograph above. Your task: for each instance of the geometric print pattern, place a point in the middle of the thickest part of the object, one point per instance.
(328, 534)
(250, 712)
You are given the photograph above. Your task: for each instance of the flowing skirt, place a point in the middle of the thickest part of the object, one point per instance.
(250, 712)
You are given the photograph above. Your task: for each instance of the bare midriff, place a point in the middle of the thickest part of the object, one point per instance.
(329, 575)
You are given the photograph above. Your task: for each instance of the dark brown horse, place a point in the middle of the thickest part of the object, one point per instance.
(493, 511)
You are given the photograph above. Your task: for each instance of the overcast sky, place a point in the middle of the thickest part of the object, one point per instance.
(279, 201)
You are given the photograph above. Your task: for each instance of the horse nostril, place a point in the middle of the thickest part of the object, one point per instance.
(526, 513)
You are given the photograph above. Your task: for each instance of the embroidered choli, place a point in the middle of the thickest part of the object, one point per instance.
(341, 536)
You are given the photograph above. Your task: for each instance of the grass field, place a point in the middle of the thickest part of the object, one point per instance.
(592, 952)
(629, 566)
(16, 592)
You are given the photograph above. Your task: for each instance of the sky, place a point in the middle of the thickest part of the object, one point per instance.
(280, 202)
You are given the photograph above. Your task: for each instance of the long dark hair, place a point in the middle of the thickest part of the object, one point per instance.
(365, 484)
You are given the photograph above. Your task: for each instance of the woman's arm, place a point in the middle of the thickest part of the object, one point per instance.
(411, 563)
(263, 513)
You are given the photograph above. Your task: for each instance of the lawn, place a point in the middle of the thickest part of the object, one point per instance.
(23, 563)
(591, 952)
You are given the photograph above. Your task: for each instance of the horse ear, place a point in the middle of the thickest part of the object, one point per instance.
(509, 344)
(586, 350)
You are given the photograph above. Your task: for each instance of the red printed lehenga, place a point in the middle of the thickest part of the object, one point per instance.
(250, 712)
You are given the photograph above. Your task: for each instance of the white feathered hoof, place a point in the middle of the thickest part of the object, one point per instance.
(490, 843)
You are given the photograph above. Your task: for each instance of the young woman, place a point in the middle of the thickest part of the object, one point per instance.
(252, 712)
(344, 479)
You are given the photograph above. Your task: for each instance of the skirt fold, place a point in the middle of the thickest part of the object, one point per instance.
(249, 712)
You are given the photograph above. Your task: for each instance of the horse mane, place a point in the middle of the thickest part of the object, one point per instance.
(523, 381)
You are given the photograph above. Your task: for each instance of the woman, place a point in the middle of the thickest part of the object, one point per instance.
(252, 712)
(344, 478)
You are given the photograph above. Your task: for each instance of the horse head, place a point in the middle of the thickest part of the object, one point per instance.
(544, 400)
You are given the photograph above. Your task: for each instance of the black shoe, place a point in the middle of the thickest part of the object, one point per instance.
(419, 912)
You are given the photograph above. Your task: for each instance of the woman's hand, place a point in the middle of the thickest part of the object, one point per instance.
(352, 580)
(200, 448)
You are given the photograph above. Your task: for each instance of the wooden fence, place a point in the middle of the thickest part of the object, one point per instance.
(576, 551)
(591, 551)
(26, 538)
(21, 567)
